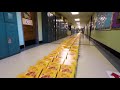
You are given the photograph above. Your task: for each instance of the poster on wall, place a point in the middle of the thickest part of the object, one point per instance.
(27, 19)
(103, 21)
(116, 20)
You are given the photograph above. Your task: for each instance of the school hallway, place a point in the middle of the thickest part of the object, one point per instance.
(91, 62)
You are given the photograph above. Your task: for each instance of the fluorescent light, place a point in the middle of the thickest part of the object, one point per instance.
(75, 13)
(77, 19)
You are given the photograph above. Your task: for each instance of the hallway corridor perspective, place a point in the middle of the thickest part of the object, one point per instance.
(91, 62)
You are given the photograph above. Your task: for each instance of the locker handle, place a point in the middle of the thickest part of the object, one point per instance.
(9, 40)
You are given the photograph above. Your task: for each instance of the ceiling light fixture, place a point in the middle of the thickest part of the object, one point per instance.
(75, 13)
(77, 19)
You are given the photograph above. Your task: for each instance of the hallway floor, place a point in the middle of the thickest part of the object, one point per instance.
(91, 62)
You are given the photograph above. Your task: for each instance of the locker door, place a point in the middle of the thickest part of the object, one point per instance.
(49, 30)
(10, 17)
(13, 41)
(12, 32)
(52, 28)
(1, 17)
(3, 42)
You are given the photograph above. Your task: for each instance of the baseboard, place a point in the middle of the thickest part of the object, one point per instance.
(21, 46)
(30, 42)
(10, 55)
(40, 42)
(115, 53)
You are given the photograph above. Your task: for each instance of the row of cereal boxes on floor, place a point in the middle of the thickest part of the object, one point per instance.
(60, 63)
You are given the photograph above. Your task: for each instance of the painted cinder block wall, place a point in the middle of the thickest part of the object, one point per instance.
(109, 38)
(39, 16)
(20, 28)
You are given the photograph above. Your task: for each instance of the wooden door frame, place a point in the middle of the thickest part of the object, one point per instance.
(36, 29)
(23, 31)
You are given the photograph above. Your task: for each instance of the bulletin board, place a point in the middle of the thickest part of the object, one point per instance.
(27, 19)
(116, 21)
(103, 20)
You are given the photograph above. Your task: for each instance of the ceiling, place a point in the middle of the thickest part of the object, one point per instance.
(84, 17)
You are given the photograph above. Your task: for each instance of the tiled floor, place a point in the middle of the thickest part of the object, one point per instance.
(91, 63)
(12, 66)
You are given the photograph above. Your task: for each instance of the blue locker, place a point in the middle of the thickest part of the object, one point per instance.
(9, 41)
(13, 42)
(1, 17)
(10, 17)
(3, 41)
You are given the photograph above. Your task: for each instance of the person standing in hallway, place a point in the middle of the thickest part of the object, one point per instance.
(68, 32)
(82, 31)
(90, 28)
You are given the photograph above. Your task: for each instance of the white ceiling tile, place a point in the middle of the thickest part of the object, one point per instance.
(84, 17)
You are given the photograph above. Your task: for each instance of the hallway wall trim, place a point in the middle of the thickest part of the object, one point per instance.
(115, 53)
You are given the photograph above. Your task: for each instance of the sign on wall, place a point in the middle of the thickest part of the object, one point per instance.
(27, 19)
(116, 20)
(103, 20)
(27, 22)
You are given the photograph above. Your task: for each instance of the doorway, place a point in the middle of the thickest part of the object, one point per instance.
(30, 30)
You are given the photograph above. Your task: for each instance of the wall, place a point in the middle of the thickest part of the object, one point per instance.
(20, 30)
(85, 31)
(39, 16)
(103, 20)
(109, 38)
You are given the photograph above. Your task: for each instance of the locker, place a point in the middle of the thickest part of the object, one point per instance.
(12, 35)
(1, 17)
(3, 41)
(9, 41)
(63, 29)
(50, 34)
(51, 27)
(10, 17)
(45, 27)
(54, 28)
(58, 26)
(49, 31)
(48, 27)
